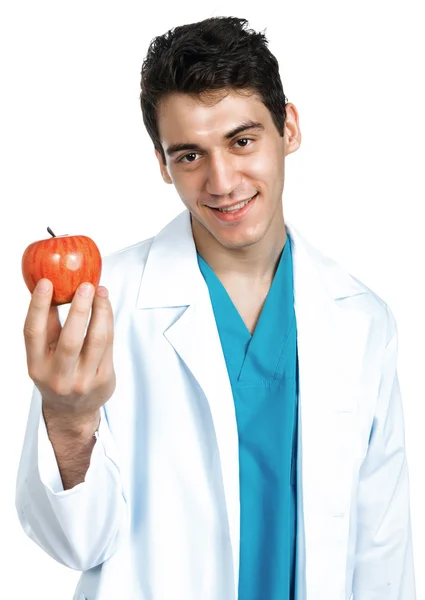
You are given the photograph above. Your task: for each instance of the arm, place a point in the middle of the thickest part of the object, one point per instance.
(384, 561)
(79, 527)
(69, 494)
(73, 445)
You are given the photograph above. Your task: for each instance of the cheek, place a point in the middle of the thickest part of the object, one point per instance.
(189, 185)
(267, 166)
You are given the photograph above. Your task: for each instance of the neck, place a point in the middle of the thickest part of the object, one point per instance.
(254, 264)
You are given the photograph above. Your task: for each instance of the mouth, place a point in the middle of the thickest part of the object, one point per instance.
(235, 211)
(235, 206)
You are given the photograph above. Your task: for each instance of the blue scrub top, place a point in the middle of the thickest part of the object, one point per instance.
(263, 372)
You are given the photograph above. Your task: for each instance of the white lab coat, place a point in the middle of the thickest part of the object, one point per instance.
(157, 517)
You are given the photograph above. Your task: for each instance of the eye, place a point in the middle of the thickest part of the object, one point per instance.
(188, 158)
(244, 142)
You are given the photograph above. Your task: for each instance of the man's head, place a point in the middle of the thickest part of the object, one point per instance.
(216, 54)
(213, 104)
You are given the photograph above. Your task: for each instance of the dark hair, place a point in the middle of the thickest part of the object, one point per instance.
(219, 53)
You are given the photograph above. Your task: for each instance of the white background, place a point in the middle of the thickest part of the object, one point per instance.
(75, 156)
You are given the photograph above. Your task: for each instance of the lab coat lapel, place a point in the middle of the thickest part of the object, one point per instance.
(331, 342)
(172, 278)
(195, 338)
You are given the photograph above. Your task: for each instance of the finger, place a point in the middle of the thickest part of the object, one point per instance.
(100, 333)
(36, 323)
(54, 328)
(107, 360)
(106, 365)
(71, 339)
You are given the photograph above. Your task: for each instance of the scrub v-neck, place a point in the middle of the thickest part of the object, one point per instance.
(263, 373)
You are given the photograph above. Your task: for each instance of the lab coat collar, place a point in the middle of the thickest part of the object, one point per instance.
(172, 278)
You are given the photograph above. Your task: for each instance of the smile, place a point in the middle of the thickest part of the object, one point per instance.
(233, 207)
(234, 212)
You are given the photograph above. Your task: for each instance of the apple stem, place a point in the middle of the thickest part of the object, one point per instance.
(51, 232)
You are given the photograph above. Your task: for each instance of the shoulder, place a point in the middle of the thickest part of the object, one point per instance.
(347, 290)
(130, 256)
(122, 271)
(125, 262)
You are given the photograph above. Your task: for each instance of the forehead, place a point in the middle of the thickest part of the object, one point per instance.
(187, 118)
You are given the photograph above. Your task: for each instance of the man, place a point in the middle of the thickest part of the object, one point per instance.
(230, 427)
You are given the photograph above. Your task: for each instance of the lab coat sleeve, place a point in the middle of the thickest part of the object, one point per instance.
(384, 567)
(80, 527)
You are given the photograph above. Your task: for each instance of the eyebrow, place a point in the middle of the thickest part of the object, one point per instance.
(246, 126)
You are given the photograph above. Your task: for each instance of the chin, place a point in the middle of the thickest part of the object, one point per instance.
(232, 238)
(241, 240)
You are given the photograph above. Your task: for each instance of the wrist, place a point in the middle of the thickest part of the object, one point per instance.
(82, 427)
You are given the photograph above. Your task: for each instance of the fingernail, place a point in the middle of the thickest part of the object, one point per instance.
(102, 291)
(43, 286)
(85, 289)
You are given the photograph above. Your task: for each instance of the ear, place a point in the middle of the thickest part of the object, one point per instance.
(163, 168)
(292, 133)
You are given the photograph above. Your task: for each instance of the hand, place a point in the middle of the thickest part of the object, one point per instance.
(74, 373)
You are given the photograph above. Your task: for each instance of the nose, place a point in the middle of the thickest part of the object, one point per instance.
(222, 177)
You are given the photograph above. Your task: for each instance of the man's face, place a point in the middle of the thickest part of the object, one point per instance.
(222, 151)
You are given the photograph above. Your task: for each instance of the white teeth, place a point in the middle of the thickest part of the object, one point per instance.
(235, 207)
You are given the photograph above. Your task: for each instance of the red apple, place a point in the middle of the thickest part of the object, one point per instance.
(66, 260)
